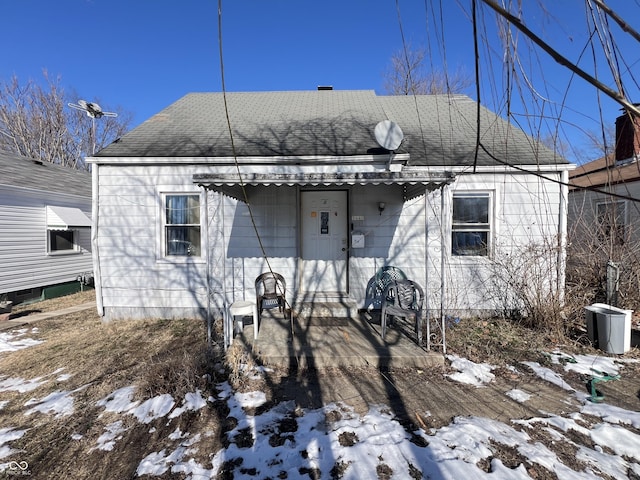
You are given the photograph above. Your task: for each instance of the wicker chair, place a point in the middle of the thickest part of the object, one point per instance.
(404, 299)
(271, 289)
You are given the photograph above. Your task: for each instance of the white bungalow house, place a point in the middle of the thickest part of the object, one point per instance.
(196, 202)
(45, 229)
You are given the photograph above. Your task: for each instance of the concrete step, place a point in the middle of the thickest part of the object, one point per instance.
(326, 308)
(356, 343)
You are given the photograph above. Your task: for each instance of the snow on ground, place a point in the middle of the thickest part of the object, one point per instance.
(8, 435)
(549, 375)
(108, 439)
(119, 401)
(469, 372)
(59, 402)
(518, 395)
(20, 384)
(12, 340)
(192, 401)
(338, 442)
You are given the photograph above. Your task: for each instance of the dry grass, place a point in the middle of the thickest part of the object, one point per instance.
(55, 303)
(163, 356)
(156, 356)
(503, 341)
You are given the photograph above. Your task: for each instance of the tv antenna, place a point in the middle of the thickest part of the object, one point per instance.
(94, 111)
(389, 136)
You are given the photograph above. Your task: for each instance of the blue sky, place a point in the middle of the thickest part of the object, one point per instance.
(142, 55)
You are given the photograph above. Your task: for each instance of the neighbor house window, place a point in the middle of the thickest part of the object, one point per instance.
(62, 240)
(182, 225)
(612, 221)
(471, 224)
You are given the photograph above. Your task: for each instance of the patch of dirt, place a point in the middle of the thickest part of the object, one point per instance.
(348, 439)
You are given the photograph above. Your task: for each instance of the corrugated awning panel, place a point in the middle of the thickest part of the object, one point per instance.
(414, 183)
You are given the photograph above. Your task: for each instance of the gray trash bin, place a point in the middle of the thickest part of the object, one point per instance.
(609, 328)
(591, 323)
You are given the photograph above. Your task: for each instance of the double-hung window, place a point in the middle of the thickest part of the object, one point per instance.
(612, 221)
(471, 224)
(182, 225)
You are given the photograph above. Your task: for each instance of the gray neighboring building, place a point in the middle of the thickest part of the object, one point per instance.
(45, 228)
(186, 218)
(595, 217)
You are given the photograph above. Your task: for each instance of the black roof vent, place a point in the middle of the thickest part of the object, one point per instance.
(325, 87)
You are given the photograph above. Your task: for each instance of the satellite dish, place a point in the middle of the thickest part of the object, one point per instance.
(388, 134)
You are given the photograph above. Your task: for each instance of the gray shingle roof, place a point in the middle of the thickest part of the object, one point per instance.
(19, 171)
(438, 129)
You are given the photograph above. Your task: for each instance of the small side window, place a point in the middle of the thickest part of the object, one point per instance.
(62, 241)
(612, 222)
(182, 225)
(471, 224)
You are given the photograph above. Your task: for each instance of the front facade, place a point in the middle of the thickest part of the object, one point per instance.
(45, 228)
(187, 214)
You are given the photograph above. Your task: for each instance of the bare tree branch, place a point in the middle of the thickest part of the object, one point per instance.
(407, 75)
(35, 122)
(515, 21)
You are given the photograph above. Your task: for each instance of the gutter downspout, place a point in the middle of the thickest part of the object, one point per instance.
(442, 268)
(562, 232)
(97, 276)
(208, 269)
(227, 323)
(425, 310)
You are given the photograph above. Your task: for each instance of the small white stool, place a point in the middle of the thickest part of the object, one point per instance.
(242, 308)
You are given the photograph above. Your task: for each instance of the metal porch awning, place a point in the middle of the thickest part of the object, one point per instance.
(414, 183)
(64, 218)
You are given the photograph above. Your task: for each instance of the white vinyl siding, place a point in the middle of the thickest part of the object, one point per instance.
(525, 213)
(139, 281)
(25, 262)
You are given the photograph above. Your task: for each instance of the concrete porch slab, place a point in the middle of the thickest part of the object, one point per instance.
(335, 342)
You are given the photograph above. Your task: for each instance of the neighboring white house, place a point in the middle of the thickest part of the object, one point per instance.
(45, 228)
(187, 215)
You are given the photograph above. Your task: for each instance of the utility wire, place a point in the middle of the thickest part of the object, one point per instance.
(477, 71)
(233, 147)
(619, 20)
(559, 182)
(561, 59)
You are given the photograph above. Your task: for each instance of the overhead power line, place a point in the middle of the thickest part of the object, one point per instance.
(619, 20)
(630, 107)
(559, 182)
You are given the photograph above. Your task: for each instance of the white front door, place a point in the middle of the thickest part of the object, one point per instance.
(324, 242)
